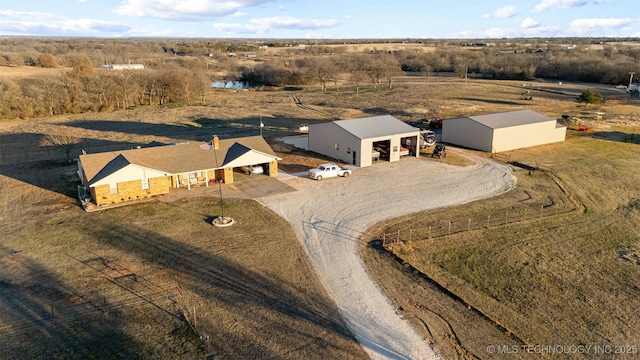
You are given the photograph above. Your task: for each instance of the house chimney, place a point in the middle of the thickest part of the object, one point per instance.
(214, 143)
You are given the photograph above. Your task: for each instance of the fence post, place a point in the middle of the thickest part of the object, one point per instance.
(541, 207)
(469, 225)
(525, 214)
(506, 218)
(410, 234)
(488, 219)
(429, 232)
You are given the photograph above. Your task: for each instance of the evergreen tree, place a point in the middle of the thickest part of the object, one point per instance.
(589, 97)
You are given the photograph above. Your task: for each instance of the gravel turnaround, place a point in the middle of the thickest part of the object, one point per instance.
(329, 217)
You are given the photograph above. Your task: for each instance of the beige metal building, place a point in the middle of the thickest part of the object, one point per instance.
(361, 141)
(503, 131)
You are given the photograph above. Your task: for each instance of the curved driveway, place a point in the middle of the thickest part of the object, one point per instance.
(329, 216)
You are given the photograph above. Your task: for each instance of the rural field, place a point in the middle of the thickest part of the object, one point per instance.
(156, 280)
(555, 261)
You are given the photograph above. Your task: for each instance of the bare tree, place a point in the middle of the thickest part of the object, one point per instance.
(81, 65)
(202, 85)
(390, 68)
(65, 142)
(357, 70)
(374, 70)
(127, 89)
(11, 100)
(358, 77)
(46, 61)
(322, 70)
(380, 66)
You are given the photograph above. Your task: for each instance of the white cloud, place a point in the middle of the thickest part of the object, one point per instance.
(93, 26)
(28, 14)
(539, 31)
(240, 28)
(239, 14)
(290, 22)
(464, 34)
(504, 12)
(589, 26)
(561, 4)
(184, 9)
(81, 27)
(263, 25)
(529, 23)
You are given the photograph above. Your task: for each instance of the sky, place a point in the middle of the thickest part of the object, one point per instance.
(321, 19)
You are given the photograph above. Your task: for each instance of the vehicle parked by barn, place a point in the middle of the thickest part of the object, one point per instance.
(328, 170)
(439, 151)
(253, 169)
(427, 138)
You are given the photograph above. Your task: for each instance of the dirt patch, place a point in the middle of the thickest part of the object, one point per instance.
(24, 71)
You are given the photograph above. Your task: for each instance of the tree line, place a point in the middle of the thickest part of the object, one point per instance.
(181, 71)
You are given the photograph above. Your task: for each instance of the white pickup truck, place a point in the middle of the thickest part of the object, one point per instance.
(327, 171)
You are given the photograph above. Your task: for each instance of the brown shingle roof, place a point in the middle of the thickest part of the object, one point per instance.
(175, 159)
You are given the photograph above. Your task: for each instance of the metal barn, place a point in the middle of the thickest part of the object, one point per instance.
(356, 141)
(503, 131)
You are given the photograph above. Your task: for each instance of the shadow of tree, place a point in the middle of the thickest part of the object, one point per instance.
(617, 136)
(42, 317)
(258, 315)
(206, 128)
(489, 101)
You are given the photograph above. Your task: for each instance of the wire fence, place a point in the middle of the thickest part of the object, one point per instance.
(438, 228)
(518, 213)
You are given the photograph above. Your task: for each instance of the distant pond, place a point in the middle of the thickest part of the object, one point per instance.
(230, 85)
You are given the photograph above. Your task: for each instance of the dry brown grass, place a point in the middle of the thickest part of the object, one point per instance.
(26, 71)
(549, 277)
(251, 285)
(126, 282)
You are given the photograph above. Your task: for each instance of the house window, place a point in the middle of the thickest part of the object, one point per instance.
(145, 184)
(337, 147)
(198, 174)
(113, 188)
(348, 150)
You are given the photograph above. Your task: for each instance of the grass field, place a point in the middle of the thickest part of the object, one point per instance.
(552, 277)
(155, 280)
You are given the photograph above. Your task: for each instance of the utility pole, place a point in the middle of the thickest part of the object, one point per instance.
(215, 145)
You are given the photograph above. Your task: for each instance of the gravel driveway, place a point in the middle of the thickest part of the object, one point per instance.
(329, 216)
